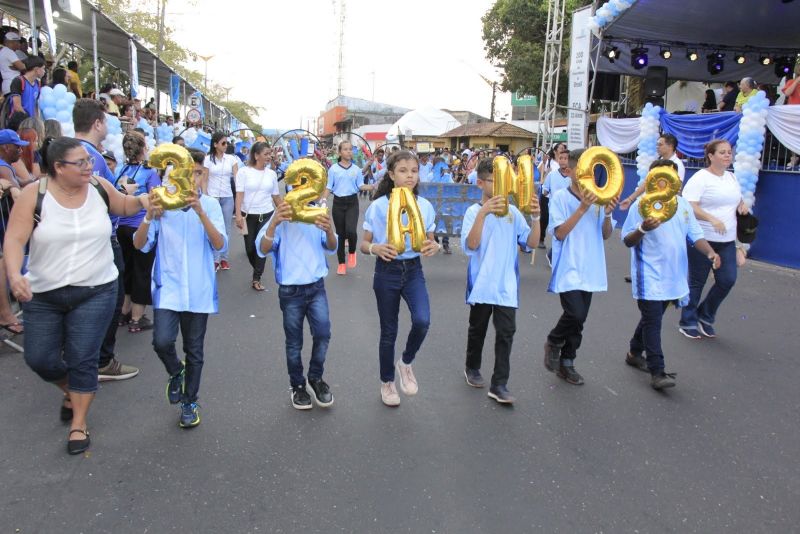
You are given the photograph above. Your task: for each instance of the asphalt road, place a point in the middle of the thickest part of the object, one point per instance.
(718, 453)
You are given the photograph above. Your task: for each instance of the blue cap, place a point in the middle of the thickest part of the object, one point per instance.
(10, 137)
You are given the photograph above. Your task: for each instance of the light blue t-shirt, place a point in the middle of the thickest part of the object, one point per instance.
(378, 170)
(298, 252)
(659, 265)
(473, 177)
(344, 181)
(493, 269)
(378, 213)
(579, 262)
(183, 272)
(425, 172)
(555, 182)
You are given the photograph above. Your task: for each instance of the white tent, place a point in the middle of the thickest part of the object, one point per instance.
(422, 122)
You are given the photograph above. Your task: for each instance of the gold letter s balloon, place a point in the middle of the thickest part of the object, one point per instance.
(181, 176)
(660, 199)
(308, 180)
(401, 202)
(517, 184)
(600, 155)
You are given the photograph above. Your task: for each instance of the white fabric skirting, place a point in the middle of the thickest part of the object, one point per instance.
(784, 123)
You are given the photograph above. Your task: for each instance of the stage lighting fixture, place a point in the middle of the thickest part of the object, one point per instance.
(612, 53)
(739, 58)
(692, 55)
(639, 58)
(784, 66)
(765, 60)
(715, 62)
(665, 53)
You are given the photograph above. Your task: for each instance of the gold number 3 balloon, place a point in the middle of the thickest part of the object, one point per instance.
(517, 184)
(402, 202)
(181, 176)
(660, 199)
(308, 180)
(600, 155)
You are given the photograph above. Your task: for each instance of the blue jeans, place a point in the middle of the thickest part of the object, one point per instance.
(297, 303)
(724, 280)
(193, 330)
(226, 203)
(63, 332)
(647, 337)
(110, 340)
(392, 281)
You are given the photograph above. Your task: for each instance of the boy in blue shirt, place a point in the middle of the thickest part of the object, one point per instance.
(298, 251)
(659, 275)
(490, 241)
(578, 228)
(184, 286)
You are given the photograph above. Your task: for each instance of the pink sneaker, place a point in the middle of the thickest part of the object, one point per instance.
(389, 394)
(408, 382)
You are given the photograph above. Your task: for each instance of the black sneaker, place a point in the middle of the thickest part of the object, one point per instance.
(662, 380)
(301, 400)
(552, 356)
(321, 392)
(175, 387)
(628, 279)
(570, 375)
(501, 394)
(636, 360)
(447, 249)
(474, 377)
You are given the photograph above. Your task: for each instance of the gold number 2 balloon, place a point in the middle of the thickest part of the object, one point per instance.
(308, 180)
(660, 198)
(517, 184)
(600, 155)
(401, 202)
(181, 176)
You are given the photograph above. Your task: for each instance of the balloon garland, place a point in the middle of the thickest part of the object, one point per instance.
(752, 130)
(608, 13)
(648, 137)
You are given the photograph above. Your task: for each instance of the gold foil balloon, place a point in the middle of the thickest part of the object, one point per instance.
(308, 180)
(660, 198)
(181, 176)
(600, 155)
(518, 184)
(402, 201)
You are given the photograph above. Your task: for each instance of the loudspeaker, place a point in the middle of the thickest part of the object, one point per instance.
(655, 83)
(606, 86)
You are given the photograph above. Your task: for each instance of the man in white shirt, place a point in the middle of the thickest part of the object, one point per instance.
(10, 64)
(666, 147)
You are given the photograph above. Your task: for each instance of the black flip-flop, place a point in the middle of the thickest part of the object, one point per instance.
(10, 328)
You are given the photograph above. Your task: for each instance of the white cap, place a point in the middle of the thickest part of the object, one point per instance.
(116, 92)
(12, 36)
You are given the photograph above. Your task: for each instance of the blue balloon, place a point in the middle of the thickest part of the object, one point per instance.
(49, 112)
(64, 116)
(47, 100)
(60, 90)
(69, 97)
(62, 104)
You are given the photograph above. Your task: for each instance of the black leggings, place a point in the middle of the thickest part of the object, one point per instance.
(544, 205)
(138, 267)
(345, 219)
(255, 222)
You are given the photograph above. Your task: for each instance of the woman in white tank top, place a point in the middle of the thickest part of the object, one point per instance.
(69, 292)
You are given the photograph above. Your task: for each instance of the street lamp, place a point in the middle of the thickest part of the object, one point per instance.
(205, 59)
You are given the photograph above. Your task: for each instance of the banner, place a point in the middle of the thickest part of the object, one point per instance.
(694, 131)
(175, 91)
(134, 68)
(578, 113)
(450, 201)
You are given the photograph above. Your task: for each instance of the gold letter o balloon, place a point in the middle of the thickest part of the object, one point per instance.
(600, 155)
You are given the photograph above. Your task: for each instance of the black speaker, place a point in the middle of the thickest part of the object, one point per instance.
(655, 83)
(606, 86)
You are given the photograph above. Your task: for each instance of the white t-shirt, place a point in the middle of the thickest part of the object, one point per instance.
(679, 163)
(258, 188)
(219, 175)
(719, 196)
(7, 58)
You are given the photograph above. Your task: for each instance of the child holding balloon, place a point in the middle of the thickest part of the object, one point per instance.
(578, 225)
(490, 240)
(398, 273)
(660, 271)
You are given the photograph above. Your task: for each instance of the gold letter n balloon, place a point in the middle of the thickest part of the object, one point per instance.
(308, 180)
(402, 202)
(181, 176)
(600, 155)
(660, 199)
(517, 184)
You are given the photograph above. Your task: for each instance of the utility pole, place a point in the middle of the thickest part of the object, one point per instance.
(494, 96)
(340, 80)
(160, 45)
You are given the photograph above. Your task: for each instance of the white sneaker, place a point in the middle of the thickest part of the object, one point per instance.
(408, 382)
(389, 394)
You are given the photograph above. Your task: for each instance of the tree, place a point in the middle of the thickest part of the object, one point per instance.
(514, 34)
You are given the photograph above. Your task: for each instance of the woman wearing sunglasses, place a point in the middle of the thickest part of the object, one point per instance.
(222, 169)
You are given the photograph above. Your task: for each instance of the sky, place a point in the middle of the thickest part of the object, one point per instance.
(283, 56)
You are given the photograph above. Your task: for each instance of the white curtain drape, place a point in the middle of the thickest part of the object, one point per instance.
(619, 135)
(784, 123)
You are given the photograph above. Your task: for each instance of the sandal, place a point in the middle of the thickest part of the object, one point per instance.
(78, 446)
(66, 412)
(124, 319)
(13, 328)
(256, 284)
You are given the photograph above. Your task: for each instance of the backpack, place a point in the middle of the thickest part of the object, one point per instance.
(37, 211)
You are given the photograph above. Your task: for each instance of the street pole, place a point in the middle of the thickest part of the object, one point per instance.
(205, 83)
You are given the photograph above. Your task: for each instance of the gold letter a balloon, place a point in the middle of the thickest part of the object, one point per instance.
(401, 202)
